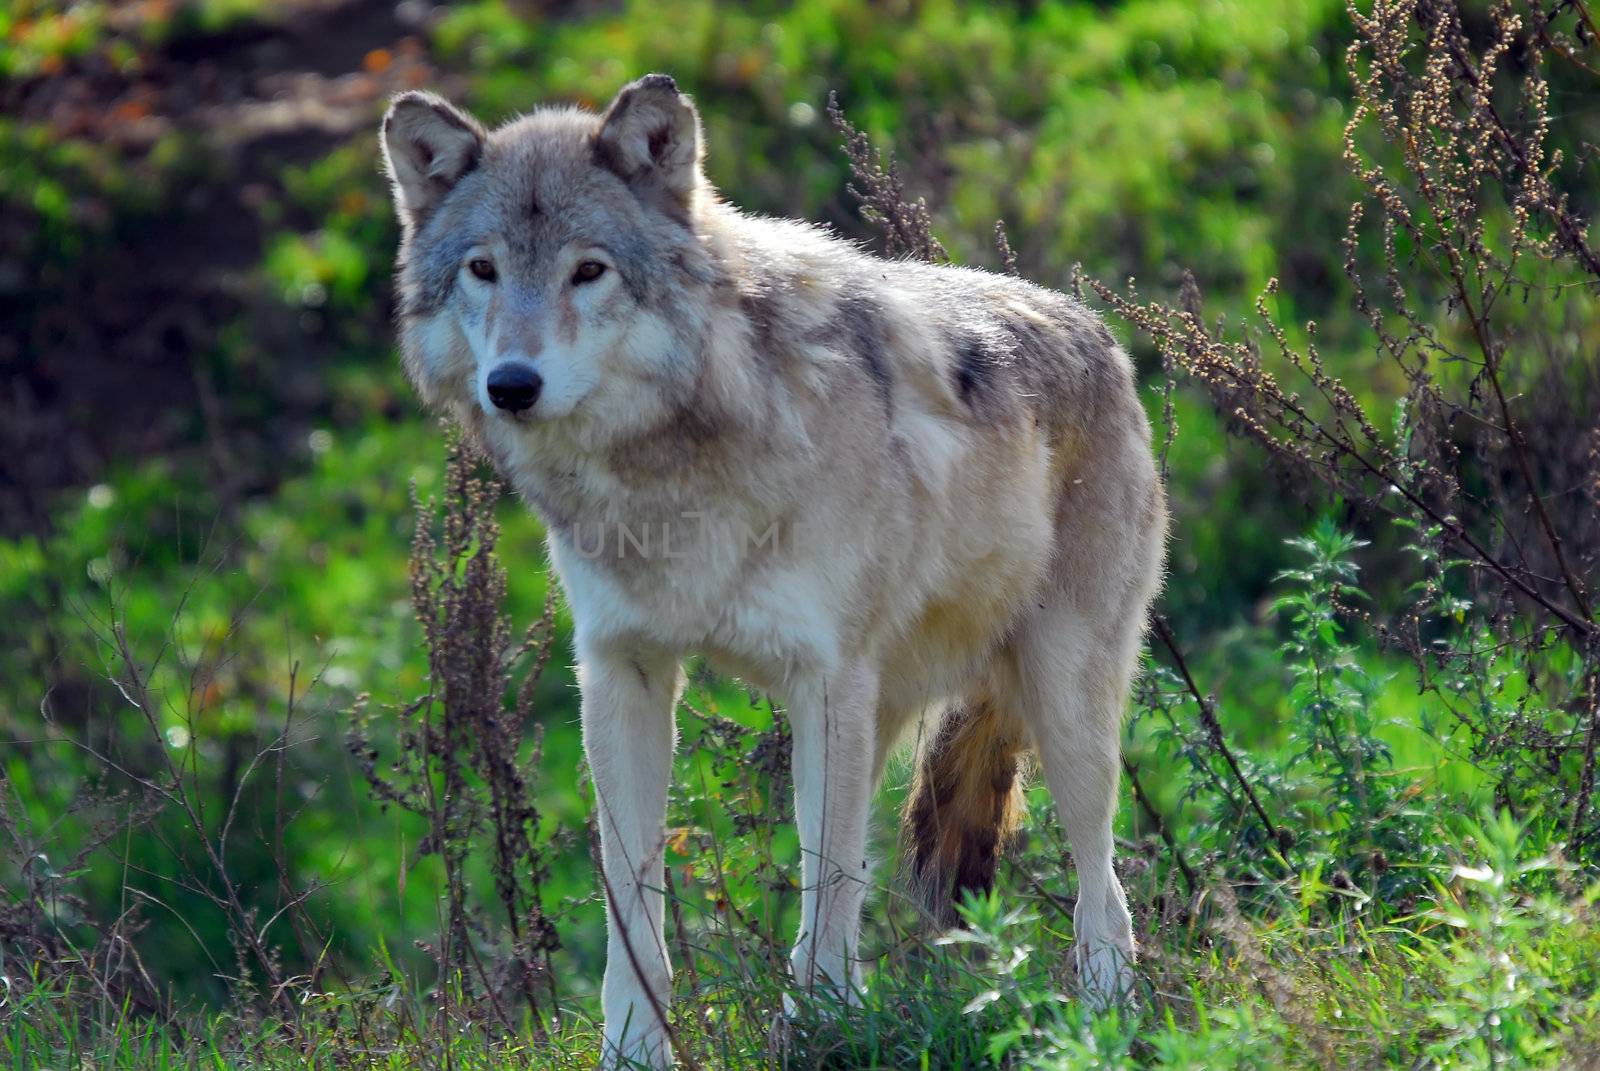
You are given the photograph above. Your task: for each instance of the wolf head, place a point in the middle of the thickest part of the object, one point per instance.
(550, 274)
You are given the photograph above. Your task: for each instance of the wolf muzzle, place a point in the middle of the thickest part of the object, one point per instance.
(514, 387)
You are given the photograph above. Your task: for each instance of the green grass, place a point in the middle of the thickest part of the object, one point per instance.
(1497, 966)
(1408, 924)
(1404, 922)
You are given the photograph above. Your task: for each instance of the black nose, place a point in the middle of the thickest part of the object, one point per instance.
(514, 387)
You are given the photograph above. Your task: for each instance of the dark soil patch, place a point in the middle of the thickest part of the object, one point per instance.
(107, 355)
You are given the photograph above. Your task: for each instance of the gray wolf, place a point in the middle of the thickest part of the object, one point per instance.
(905, 500)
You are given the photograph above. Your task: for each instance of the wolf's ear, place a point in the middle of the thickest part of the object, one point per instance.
(428, 144)
(650, 136)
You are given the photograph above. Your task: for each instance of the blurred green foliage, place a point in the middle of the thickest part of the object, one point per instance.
(1142, 139)
(1139, 139)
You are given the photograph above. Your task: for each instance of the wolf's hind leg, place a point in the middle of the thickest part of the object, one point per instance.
(834, 743)
(1072, 693)
(1074, 658)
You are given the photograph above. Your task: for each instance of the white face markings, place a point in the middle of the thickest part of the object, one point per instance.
(440, 361)
(476, 308)
(571, 325)
(586, 327)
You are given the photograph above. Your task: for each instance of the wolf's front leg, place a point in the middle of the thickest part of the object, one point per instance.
(628, 736)
(834, 739)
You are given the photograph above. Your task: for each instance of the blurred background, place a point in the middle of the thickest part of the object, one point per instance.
(206, 439)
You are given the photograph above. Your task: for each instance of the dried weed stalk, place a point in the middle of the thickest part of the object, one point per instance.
(1474, 275)
(459, 758)
(878, 186)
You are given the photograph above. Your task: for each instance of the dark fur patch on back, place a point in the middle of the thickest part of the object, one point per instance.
(860, 325)
(974, 370)
(984, 374)
(1032, 343)
(762, 314)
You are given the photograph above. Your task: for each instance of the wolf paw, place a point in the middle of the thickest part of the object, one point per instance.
(1105, 972)
(652, 1051)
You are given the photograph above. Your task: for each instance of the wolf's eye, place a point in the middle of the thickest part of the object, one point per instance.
(588, 272)
(482, 268)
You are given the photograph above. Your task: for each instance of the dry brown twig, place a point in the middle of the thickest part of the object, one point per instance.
(459, 761)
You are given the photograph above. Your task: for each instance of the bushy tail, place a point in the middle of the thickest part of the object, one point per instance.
(965, 802)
